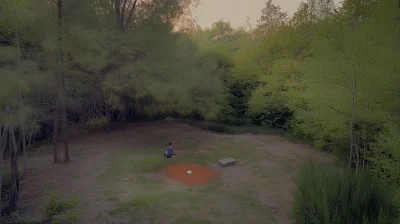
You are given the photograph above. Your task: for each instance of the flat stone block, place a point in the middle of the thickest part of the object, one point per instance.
(227, 162)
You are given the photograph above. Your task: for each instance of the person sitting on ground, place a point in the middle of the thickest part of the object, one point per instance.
(169, 152)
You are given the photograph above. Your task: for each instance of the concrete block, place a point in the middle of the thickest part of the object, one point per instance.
(227, 162)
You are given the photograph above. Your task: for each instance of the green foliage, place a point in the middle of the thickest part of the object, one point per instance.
(57, 205)
(332, 195)
(67, 217)
(386, 154)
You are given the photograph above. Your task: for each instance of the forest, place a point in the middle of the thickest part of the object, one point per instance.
(328, 74)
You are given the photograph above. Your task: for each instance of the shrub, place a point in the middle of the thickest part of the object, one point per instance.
(330, 195)
(98, 123)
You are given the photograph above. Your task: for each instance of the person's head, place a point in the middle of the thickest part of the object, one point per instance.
(170, 143)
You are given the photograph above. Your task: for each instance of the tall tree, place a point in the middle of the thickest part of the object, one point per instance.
(60, 105)
(271, 17)
(14, 188)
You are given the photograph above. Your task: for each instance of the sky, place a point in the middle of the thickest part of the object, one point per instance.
(237, 11)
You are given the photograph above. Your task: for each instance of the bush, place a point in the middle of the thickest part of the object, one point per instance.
(57, 205)
(329, 195)
(98, 123)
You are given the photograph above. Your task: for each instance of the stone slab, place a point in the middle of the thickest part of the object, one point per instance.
(227, 162)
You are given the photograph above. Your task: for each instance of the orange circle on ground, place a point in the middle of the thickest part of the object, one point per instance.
(200, 175)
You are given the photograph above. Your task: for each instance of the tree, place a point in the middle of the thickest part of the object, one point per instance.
(60, 109)
(271, 17)
(3, 144)
(16, 113)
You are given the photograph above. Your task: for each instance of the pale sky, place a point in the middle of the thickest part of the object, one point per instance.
(237, 11)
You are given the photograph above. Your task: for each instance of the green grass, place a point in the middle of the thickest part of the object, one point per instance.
(192, 221)
(57, 205)
(162, 200)
(129, 182)
(329, 194)
(152, 160)
(247, 199)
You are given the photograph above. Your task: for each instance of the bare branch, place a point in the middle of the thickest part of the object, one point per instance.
(130, 15)
(338, 111)
(118, 11)
(123, 12)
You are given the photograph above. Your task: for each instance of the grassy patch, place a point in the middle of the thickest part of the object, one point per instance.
(189, 220)
(246, 199)
(59, 209)
(66, 217)
(328, 194)
(152, 160)
(135, 177)
(212, 187)
(165, 200)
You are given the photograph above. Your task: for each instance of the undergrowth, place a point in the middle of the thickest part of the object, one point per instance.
(331, 195)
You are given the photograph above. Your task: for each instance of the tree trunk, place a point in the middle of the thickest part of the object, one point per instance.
(363, 165)
(14, 172)
(61, 81)
(65, 137)
(55, 137)
(118, 12)
(24, 149)
(350, 157)
(121, 26)
(351, 127)
(20, 91)
(133, 7)
(364, 152)
(3, 143)
(358, 157)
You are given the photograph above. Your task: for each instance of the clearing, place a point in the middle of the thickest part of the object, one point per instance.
(119, 178)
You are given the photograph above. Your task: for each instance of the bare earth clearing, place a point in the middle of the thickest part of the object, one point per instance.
(118, 177)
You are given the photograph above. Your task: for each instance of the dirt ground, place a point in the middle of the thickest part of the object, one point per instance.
(118, 176)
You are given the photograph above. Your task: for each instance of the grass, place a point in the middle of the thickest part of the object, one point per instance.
(151, 159)
(146, 197)
(329, 194)
(192, 221)
(60, 209)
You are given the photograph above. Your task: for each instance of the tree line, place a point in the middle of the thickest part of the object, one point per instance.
(329, 73)
(69, 64)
